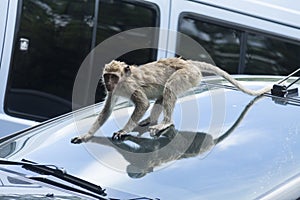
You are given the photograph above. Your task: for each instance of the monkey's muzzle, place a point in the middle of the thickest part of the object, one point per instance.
(109, 87)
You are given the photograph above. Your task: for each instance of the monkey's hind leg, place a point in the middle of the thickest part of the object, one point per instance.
(154, 115)
(169, 100)
(180, 81)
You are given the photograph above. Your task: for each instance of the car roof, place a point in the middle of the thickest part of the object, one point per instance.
(225, 144)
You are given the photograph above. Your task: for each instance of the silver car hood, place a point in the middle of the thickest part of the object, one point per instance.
(224, 145)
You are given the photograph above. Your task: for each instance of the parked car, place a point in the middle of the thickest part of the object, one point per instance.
(44, 42)
(224, 145)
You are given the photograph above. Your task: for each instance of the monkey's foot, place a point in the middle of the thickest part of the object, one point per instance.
(81, 139)
(120, 135)
(156, 130)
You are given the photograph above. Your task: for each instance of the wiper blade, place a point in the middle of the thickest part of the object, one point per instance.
(61, 174)
(64, 186)
(51, 170)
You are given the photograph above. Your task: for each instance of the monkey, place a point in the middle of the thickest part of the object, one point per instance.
(163, 81)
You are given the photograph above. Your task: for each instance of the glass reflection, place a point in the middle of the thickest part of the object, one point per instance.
(222, 44)
(267, 55)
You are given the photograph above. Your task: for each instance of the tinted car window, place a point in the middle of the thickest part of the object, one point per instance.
(239, 49)
(267, 55)
(221, 43)
(118, 16)
(52, 40)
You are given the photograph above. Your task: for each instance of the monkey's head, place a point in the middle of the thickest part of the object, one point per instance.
(113, 73)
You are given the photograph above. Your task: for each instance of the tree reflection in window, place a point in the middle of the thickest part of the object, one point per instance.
(267, 55)
(221, 43)
(238, 49)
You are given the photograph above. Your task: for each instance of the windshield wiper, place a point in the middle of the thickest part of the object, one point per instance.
(52, 170)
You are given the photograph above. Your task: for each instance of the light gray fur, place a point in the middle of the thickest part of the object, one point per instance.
(163, 81)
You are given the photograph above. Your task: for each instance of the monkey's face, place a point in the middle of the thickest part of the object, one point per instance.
(110, 80)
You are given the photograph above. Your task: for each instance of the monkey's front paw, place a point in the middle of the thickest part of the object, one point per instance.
(157, 130)
(120, 135)
(76, 140)
(81, 139)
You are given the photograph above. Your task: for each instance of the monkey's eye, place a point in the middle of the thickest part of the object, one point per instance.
(114, 78)
(111, 78)
(127, 70)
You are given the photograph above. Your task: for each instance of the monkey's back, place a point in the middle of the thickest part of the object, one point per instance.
(162, 69)
(152, 77)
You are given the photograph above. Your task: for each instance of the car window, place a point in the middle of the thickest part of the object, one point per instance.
(221, 43)
(239, 49)
(267, 55)
(52, 40)
(118, 16)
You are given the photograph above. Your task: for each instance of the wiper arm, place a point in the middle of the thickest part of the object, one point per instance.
(51, 170)
(64, 186)
(61, 174)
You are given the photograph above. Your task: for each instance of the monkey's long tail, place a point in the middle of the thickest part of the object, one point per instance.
(206, 67)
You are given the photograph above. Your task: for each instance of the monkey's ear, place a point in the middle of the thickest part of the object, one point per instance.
(127, 70)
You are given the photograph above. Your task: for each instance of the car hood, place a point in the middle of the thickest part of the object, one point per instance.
(224, 145)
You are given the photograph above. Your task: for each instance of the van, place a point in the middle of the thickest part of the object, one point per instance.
(44, 42)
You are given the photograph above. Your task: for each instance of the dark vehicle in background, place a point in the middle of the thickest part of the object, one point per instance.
(44, 42)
